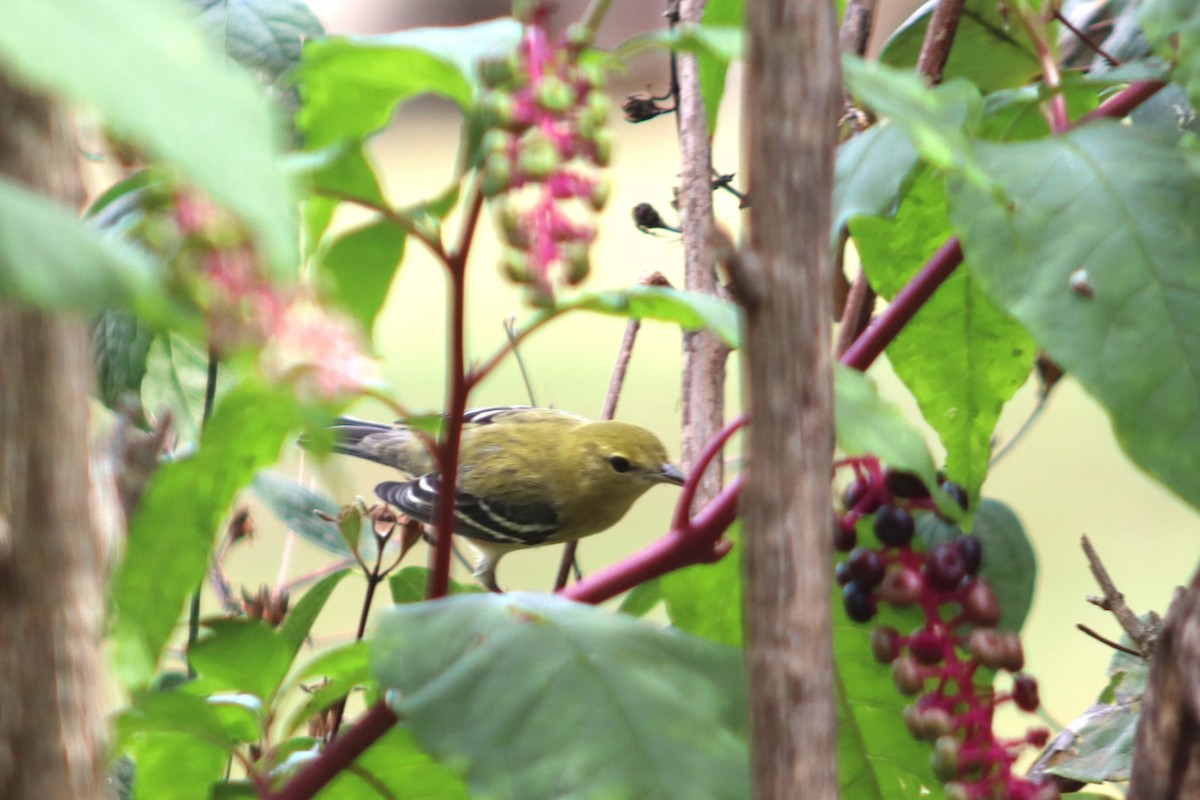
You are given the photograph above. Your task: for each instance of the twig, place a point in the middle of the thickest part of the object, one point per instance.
(1105, 640)
(939, 37)
(1114, 602)
(1083, 37)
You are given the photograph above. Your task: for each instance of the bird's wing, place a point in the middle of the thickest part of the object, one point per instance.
(486, 519)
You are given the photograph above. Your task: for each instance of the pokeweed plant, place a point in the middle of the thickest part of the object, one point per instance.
(967, 202)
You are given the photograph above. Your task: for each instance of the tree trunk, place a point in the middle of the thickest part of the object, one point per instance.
(785, 280)
(51, 568)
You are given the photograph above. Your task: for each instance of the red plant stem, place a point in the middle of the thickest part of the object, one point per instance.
(460, 388)
(1123, 101)
(908, 302)
(340, 754)
(696, 544)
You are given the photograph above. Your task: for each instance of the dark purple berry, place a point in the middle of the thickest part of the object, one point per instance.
(904, 484)
(867, 567)
(926, 647)
(844, 535)
(1025, 692)
(972, 552)
(957, 492)
(841, 573)
(944, 566)
(859, 604)
(854, 492)
(1013, 655)
(894, 525)
(985, 646)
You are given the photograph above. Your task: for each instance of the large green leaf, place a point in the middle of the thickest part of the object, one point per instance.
(241, 655)
(361, 264)
(534, 696)
(120, 345)
(51, 259)
(172, 532)
(990, 50)
(1173, 27)
(872, 172)
(146, 68)
(961, 356)
(878, 759)
(705, 600)
(1096, 257)
(296, 506)
(937, 119)
(264, 36)
(176, 380)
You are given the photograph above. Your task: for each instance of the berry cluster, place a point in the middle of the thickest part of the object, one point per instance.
(938, 663)
(545, 112)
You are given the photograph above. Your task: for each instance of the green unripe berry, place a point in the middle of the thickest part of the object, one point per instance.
(945, 760)
(598, 199)
(602, 142)
(499, 71)
(497, 175)
(578, 36)
(576, 259)
(538, 157)
(554, 95)
(514, 265)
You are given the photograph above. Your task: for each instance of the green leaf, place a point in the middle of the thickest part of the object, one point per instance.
(1173, 28)
(300, 618)
(689, 310)
(265, 36)
(351, 86)
(176, 379)
(334, 673)
(241, 655)
(961, 356)
(120, 345)
(989, 50)
(641, 599)
(362, 263)
(169, 92)
(51, 259)
(1114, 212)
(176, 765)
(868, 425)
(409, 584)
(483, 677)
(172, 532)
(705, 600)
(177, 711)
(396, 767)
(1009, 563)
(878, 759)
(723, 15)
(295, 504)
(721, 42)
(937, 119)
(1102, 744)
(872, 173)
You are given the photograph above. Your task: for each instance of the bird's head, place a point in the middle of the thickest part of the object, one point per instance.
(625, 458)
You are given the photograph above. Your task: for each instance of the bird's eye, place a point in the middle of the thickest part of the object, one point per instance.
(619, 463)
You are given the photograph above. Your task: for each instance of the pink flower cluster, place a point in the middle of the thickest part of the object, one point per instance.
(938, 664)
(545, 112)
(298, 341)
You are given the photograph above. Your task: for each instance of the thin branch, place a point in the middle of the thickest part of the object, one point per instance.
(1114, 602)
(939, 37)
(1083, 37)
(1105, 640)
(340, 754)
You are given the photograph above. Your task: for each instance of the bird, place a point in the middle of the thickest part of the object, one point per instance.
(527, 476)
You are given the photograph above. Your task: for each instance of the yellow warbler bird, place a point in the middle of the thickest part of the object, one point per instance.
(526, 476)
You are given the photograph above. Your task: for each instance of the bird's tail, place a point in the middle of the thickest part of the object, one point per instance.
(353, 437)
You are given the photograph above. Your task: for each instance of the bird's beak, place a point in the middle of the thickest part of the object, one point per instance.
(671, 474)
